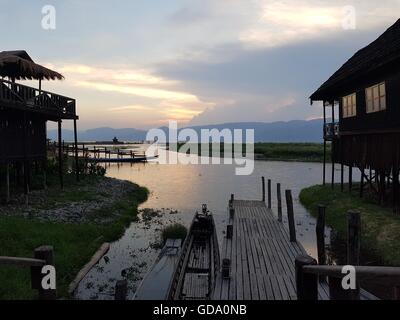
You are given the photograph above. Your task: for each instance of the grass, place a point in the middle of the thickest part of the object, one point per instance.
(380, 230)
(174, 231)
(310, 152)
(74, 244)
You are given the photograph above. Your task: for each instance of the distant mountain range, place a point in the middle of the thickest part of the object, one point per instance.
(290, 131)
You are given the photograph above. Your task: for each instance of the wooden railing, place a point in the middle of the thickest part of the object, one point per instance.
(309, 272)
(43, 256)
(331, 130)
(18, 95)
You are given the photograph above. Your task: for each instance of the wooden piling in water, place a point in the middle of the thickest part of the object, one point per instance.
(290, 213)
(269, 194)
(353, 246)
(229, 231)
(121, 290)
(353, 241)
(279, 199)
(263, 188)
(320, 232)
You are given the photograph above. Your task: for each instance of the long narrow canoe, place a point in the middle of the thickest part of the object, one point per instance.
(156, 284)
(195, 274)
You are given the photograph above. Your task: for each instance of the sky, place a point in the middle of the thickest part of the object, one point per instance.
(139, 64)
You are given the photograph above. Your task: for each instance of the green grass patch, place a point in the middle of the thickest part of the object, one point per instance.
(74, 244)
(309, 152)
(174, 231)
(380, 230)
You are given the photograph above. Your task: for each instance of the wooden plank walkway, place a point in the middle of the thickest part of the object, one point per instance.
(262, 257)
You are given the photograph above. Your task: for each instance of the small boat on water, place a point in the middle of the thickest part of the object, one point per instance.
(157, 283)
(123, 160)
(195, 274)
(187, 272)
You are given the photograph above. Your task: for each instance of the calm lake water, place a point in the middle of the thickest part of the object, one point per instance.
(176, 192)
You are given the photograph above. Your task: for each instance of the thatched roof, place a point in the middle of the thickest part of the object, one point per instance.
(20, 66)
(383, 52)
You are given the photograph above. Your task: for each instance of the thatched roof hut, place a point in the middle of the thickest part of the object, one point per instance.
(19, 65)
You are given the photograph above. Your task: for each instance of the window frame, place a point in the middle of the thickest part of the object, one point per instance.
(352, 99)
(376, 98)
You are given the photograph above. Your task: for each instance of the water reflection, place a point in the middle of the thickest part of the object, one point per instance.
(184, 188)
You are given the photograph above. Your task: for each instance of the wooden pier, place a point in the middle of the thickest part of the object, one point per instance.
(258, 257)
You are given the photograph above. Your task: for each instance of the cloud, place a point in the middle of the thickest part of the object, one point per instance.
(289, 21)
(163, 97)
(131, 108)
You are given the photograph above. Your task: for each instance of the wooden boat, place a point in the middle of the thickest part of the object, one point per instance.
(157, 283)
(123, 160)
(195, 274)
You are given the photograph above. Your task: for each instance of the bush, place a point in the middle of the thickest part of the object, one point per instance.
(174, 231)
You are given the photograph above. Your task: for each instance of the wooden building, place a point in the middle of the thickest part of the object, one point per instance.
(24, 113)
(366, 135)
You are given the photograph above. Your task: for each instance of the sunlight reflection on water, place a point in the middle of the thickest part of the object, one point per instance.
(184, 188)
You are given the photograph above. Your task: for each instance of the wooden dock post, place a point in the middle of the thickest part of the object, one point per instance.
(229, 231)
(290, 213)
(320, 231)
(279, 198)
(45, 253)
(231, 212)
(269, 194)
(232, 198)
(226, 268)
(121, 290)
(306, 283)
(353, 246)
(353, 241)
(263, 188)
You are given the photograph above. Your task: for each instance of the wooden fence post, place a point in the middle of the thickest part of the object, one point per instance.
(269, 194)
(306, 283)
(353, 245)
(43, 253)
(290, 213)
(353, 241)
(121, 290)
(263, 188)
(279, 196)
(320, 231)
(336, 291)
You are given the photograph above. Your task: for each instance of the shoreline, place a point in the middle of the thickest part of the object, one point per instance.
(76, 229)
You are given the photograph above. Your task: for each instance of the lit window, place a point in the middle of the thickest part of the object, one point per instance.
(376, 98)
(349, 106)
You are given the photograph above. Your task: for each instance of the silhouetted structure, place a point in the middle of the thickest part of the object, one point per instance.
(24, 112)
(366, 90)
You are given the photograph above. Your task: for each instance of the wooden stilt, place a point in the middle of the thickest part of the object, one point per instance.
(60, 155)
(350, 178)
(332, 144)
(342, 177)
(362, 182)
(7, 183)
(76, 150)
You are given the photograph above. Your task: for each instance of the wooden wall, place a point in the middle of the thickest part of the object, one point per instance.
(13, 140)
(387, 119)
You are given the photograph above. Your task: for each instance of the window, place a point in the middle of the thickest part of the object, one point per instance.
(349, 106)
(376, 98)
